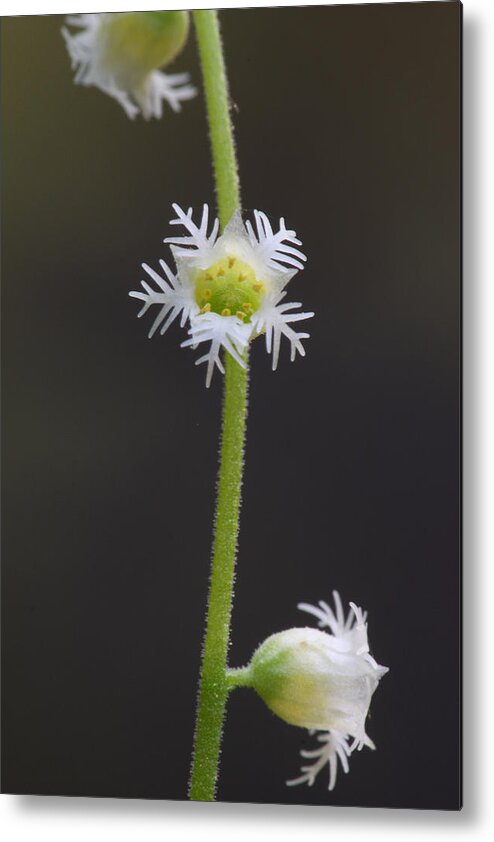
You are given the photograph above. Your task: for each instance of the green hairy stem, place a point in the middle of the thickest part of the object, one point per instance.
(218, 106)
(215, 683)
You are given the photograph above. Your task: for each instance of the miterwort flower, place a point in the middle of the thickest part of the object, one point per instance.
(320, 680)
(229, 287)
(122, 53)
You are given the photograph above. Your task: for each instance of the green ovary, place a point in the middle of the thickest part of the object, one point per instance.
(229, 288)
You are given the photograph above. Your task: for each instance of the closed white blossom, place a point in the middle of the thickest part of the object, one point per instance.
(322, 681)
(121, 54)
(229, 288)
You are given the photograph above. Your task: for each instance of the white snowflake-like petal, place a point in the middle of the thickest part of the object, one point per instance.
(350, 633)
(86, 60)
(197, 243)
(226, 332)
(273, 247)
(173, 88)
(334, 620)
(175, 298)
(335, 747)
(275, 319)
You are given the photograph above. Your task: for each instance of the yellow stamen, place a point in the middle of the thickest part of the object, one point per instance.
(206, 308)
(226, 312)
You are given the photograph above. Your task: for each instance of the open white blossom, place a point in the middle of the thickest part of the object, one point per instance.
(357, 676)
(121, 53)
(229, 287)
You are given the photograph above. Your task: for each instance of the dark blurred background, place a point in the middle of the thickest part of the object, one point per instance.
(347, 122)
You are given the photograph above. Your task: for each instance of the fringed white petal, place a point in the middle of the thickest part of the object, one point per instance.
(81, 44)
(273, 248)
(175, 299)
(334, 620)
(197, 240)
(335, 747)
(87, 60)
(274, 319)
(350, 633)
(225, 332)
(164, 87)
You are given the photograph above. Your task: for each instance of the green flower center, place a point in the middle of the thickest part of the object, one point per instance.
(229, 288)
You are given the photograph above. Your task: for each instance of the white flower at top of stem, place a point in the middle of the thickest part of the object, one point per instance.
(229, 287)
(121, 53)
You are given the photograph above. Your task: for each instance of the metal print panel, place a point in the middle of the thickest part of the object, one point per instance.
(231, 555)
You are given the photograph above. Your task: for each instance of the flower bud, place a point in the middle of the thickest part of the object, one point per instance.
(323, 681)
(305, 681)
(122, 53)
